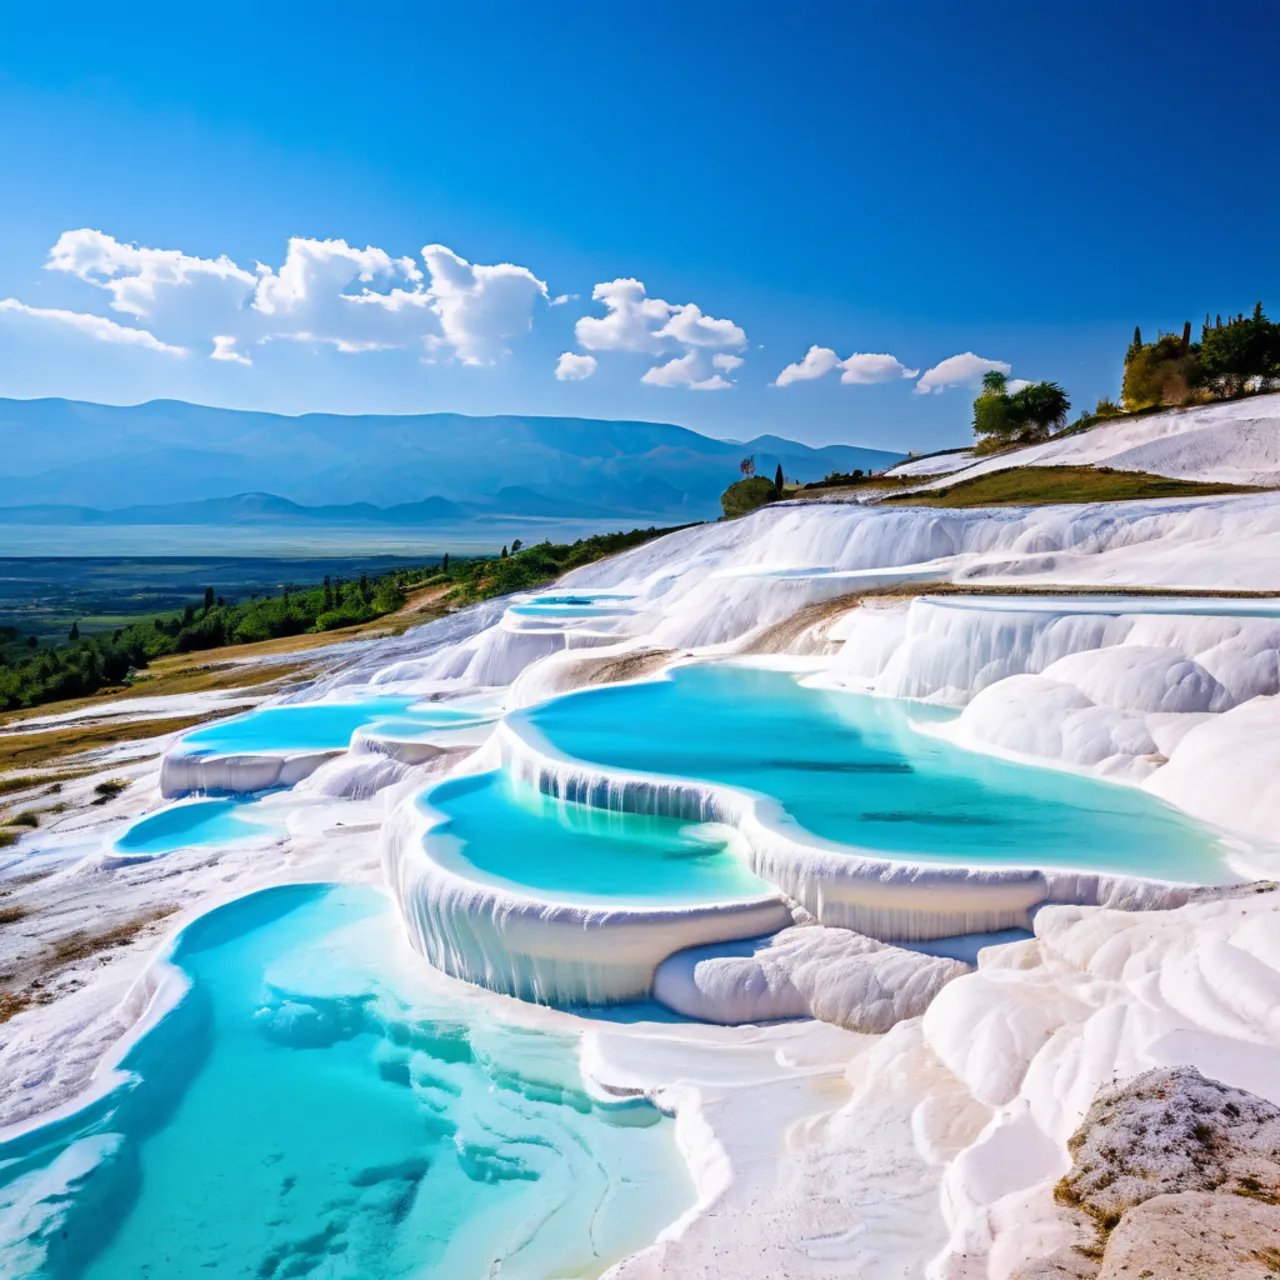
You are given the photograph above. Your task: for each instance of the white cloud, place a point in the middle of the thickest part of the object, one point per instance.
(862, 369)
(957, 371)
(224, 348)
(574, 368)
(325, 292)
(688, 370)
(98, 327)
(1016, 384)
(316, 271)
(480, 308)
(817, 363)
(638, 323)
(132, 275)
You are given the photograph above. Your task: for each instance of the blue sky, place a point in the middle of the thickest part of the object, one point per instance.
(1018, 183)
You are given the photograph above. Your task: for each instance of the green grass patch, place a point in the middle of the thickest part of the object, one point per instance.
(1045, 486)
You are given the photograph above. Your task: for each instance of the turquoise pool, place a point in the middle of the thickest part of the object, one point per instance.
(326, 726)
(195, 822)
(311, 1109)
(506, 832)
(854, 768)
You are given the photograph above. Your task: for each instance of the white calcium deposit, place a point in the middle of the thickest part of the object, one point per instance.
(928, 1150)
(1234, 443)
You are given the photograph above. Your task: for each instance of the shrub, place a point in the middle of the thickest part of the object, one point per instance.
(746, 495)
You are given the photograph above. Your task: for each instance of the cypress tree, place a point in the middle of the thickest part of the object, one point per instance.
(1186, 337)
(504, 553)
(74, 634)
(444, 564)
(777, 480)
(208, 599)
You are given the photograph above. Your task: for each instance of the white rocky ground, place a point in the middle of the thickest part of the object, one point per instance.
(931, 1149)
(1233, 443)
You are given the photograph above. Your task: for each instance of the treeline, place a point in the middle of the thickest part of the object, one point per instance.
(87, 664)
(522, 568)
(1230, 359)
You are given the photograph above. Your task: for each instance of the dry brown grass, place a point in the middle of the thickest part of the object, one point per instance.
(82, 944)
(31, 750)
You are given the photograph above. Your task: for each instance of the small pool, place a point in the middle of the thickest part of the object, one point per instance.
(196, 822)
(856, 769)
(315, 1107)
(328, 726)
(506, 832)
(573, 605)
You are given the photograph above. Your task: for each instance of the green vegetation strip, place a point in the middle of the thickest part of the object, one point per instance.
(1046, 486)
(32, 676)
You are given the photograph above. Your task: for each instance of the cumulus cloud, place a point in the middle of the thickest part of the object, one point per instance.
(957, 371)
(572, 367)
(480, 308)
(99, 327)
(1016, 384)
(131, 274)
(635, 322)
(860, 369)
(863, 368)
(224, 348)
(326, 292)
(817, 363)
(689, 370)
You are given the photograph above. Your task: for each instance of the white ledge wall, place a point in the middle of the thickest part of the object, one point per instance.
(538, 949)
(883, 898)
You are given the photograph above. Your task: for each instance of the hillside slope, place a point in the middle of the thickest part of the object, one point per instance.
(1233, 443)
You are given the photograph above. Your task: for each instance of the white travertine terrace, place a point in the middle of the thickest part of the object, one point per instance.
(929, 1151)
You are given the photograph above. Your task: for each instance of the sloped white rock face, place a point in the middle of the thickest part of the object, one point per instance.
(834, 975)
(1236, 443)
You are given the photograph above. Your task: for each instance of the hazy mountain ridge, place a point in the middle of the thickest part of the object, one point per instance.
(93, 462)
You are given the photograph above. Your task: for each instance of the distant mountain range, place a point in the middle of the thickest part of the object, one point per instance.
(167, 462)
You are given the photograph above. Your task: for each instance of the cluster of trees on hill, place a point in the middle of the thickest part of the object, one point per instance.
(87, 664)
(1241, 355)
(1023, 416)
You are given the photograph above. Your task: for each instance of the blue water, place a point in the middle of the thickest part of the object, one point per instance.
(507, 832)
(852, 768)
(588, 605)
(308, 1111)
(195, 822)
(324, 726)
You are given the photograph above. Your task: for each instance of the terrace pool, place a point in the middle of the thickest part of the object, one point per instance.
(315, 1107)
(506, 832)
(860, 770)
(328, 726)
(196, 822)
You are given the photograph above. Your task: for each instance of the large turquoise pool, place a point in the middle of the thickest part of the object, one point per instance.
(311, 1109)
(325, 726)
(506, 832)
(856, 769)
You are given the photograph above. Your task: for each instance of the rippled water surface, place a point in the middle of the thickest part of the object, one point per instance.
(315, 1107)
(863, 771)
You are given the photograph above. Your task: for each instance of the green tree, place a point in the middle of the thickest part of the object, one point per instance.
(1036, 410)
(208, 599)
(1243, 351)
(778, 480)
(74, 634)
(444, 563)
(516, 545)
